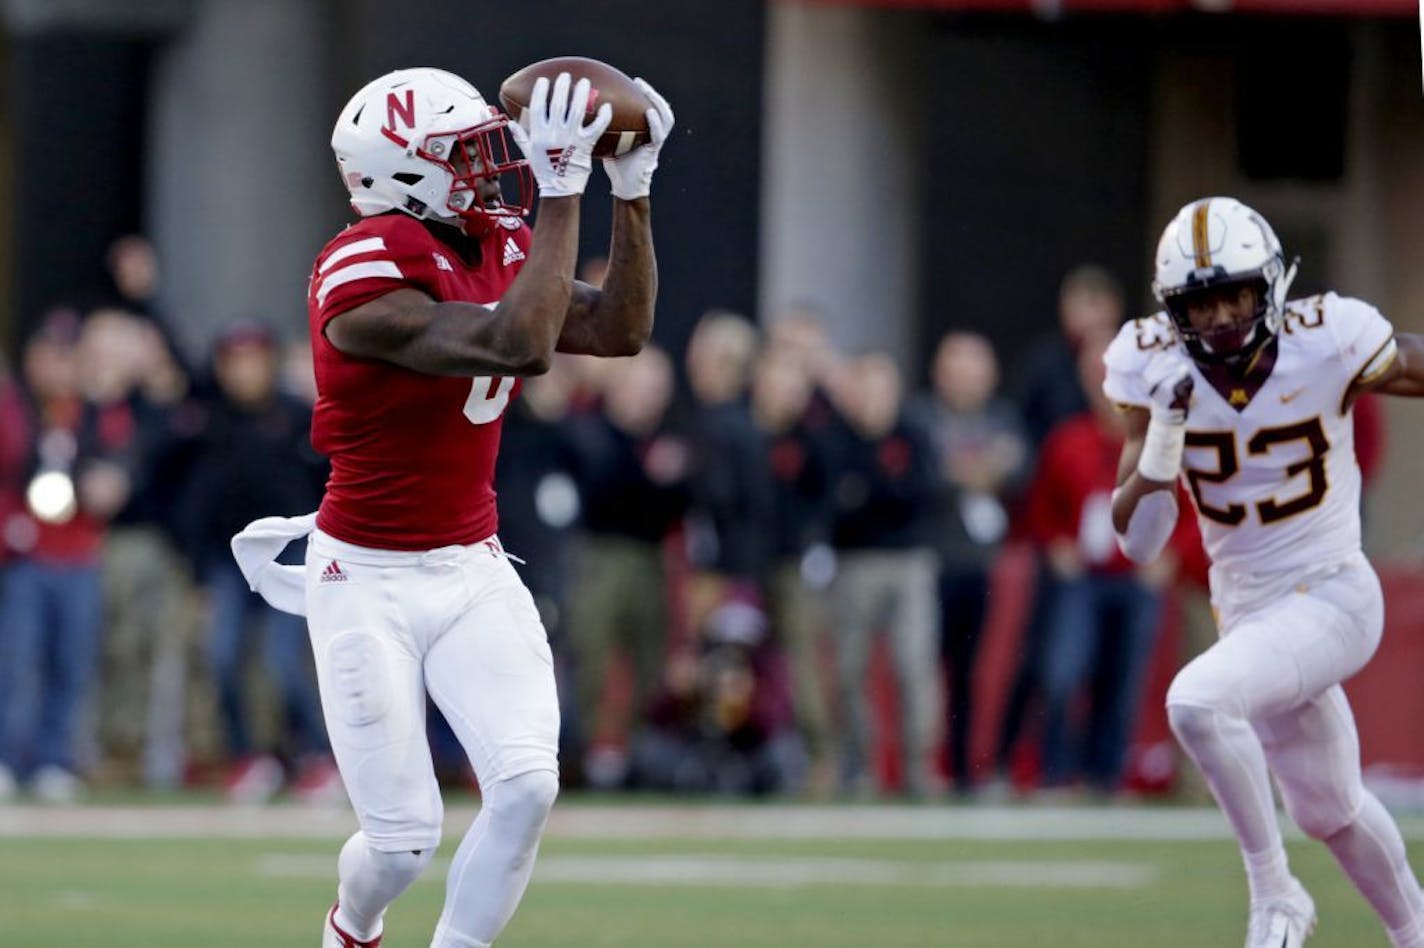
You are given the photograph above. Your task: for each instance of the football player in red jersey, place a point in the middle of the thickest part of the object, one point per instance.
(424, 315)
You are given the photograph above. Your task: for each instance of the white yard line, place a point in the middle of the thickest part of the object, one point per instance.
(717, 869)
(632, 821)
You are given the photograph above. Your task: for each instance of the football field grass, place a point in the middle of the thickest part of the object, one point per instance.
(671, 877)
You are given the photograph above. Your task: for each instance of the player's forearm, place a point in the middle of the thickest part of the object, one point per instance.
(1129, 494)
(1144, 515)
(620, 318)
(530, 315)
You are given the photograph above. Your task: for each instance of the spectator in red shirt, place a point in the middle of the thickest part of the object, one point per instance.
(1104, 618)
(52, 612)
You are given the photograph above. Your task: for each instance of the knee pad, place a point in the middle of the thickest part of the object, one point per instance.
(1192, 723)
(524, 800)
(384, 871)
(1196, 686)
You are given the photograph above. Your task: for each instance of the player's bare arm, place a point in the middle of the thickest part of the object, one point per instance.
(1403, 375)
(617, 319)
(516, 337)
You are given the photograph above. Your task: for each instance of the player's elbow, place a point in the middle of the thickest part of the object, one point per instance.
(528, 353)
(536, 362)
(1138, 550)
(629, 343)
(1146, 525)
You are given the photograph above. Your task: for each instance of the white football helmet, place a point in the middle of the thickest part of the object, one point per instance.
(1219, 241)
(424, 141)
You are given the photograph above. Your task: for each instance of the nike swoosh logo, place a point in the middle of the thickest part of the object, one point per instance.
(1290, 396)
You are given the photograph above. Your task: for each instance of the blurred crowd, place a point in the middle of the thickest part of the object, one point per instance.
(768, 569)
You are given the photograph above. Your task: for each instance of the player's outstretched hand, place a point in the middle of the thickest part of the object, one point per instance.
(632, 174)
(554, 138)
(1169, 383)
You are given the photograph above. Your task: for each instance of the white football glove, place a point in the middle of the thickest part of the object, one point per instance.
(1169, 384)
(632, 174)
(556, 143)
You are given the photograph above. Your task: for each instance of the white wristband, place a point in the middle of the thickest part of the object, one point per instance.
(1161, 457)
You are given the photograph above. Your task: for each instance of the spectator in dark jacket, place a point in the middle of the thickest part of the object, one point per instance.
(128, 375)
(1045, 385)
(981, 454)
(539, 512)
(799, 534)
(134, 278)
(254, 460)
(731, 484)
(633, 470)
(885, 494)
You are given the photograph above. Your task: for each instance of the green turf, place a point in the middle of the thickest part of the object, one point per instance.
(214, 894)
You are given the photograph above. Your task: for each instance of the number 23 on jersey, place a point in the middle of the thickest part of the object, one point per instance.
(1263, 442)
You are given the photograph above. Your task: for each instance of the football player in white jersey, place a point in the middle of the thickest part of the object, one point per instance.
(1247, 397)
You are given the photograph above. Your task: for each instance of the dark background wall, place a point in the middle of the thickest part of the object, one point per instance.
(1039, 164)
(77, 103)
(710, 69)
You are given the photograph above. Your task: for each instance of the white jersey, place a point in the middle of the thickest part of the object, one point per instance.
(1272, 474)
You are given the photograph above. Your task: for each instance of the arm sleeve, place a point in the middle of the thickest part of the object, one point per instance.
(1150, 527)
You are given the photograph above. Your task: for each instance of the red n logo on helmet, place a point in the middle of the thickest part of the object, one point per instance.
(405, 110)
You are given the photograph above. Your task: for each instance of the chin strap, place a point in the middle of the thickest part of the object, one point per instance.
(1150, 526)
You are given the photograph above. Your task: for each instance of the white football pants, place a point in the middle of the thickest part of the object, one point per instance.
(388, 627)
(1267, 695)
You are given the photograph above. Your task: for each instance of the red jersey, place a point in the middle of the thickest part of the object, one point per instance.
(1071, 495)
(412, 455)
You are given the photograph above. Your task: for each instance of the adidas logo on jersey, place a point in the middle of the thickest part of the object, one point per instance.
(333, 573)
(511, 251)
(441, 263)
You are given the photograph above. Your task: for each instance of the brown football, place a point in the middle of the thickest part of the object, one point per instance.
(629, 127)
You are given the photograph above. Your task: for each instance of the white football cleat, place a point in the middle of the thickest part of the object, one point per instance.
(1285, 922)
(333, 937)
